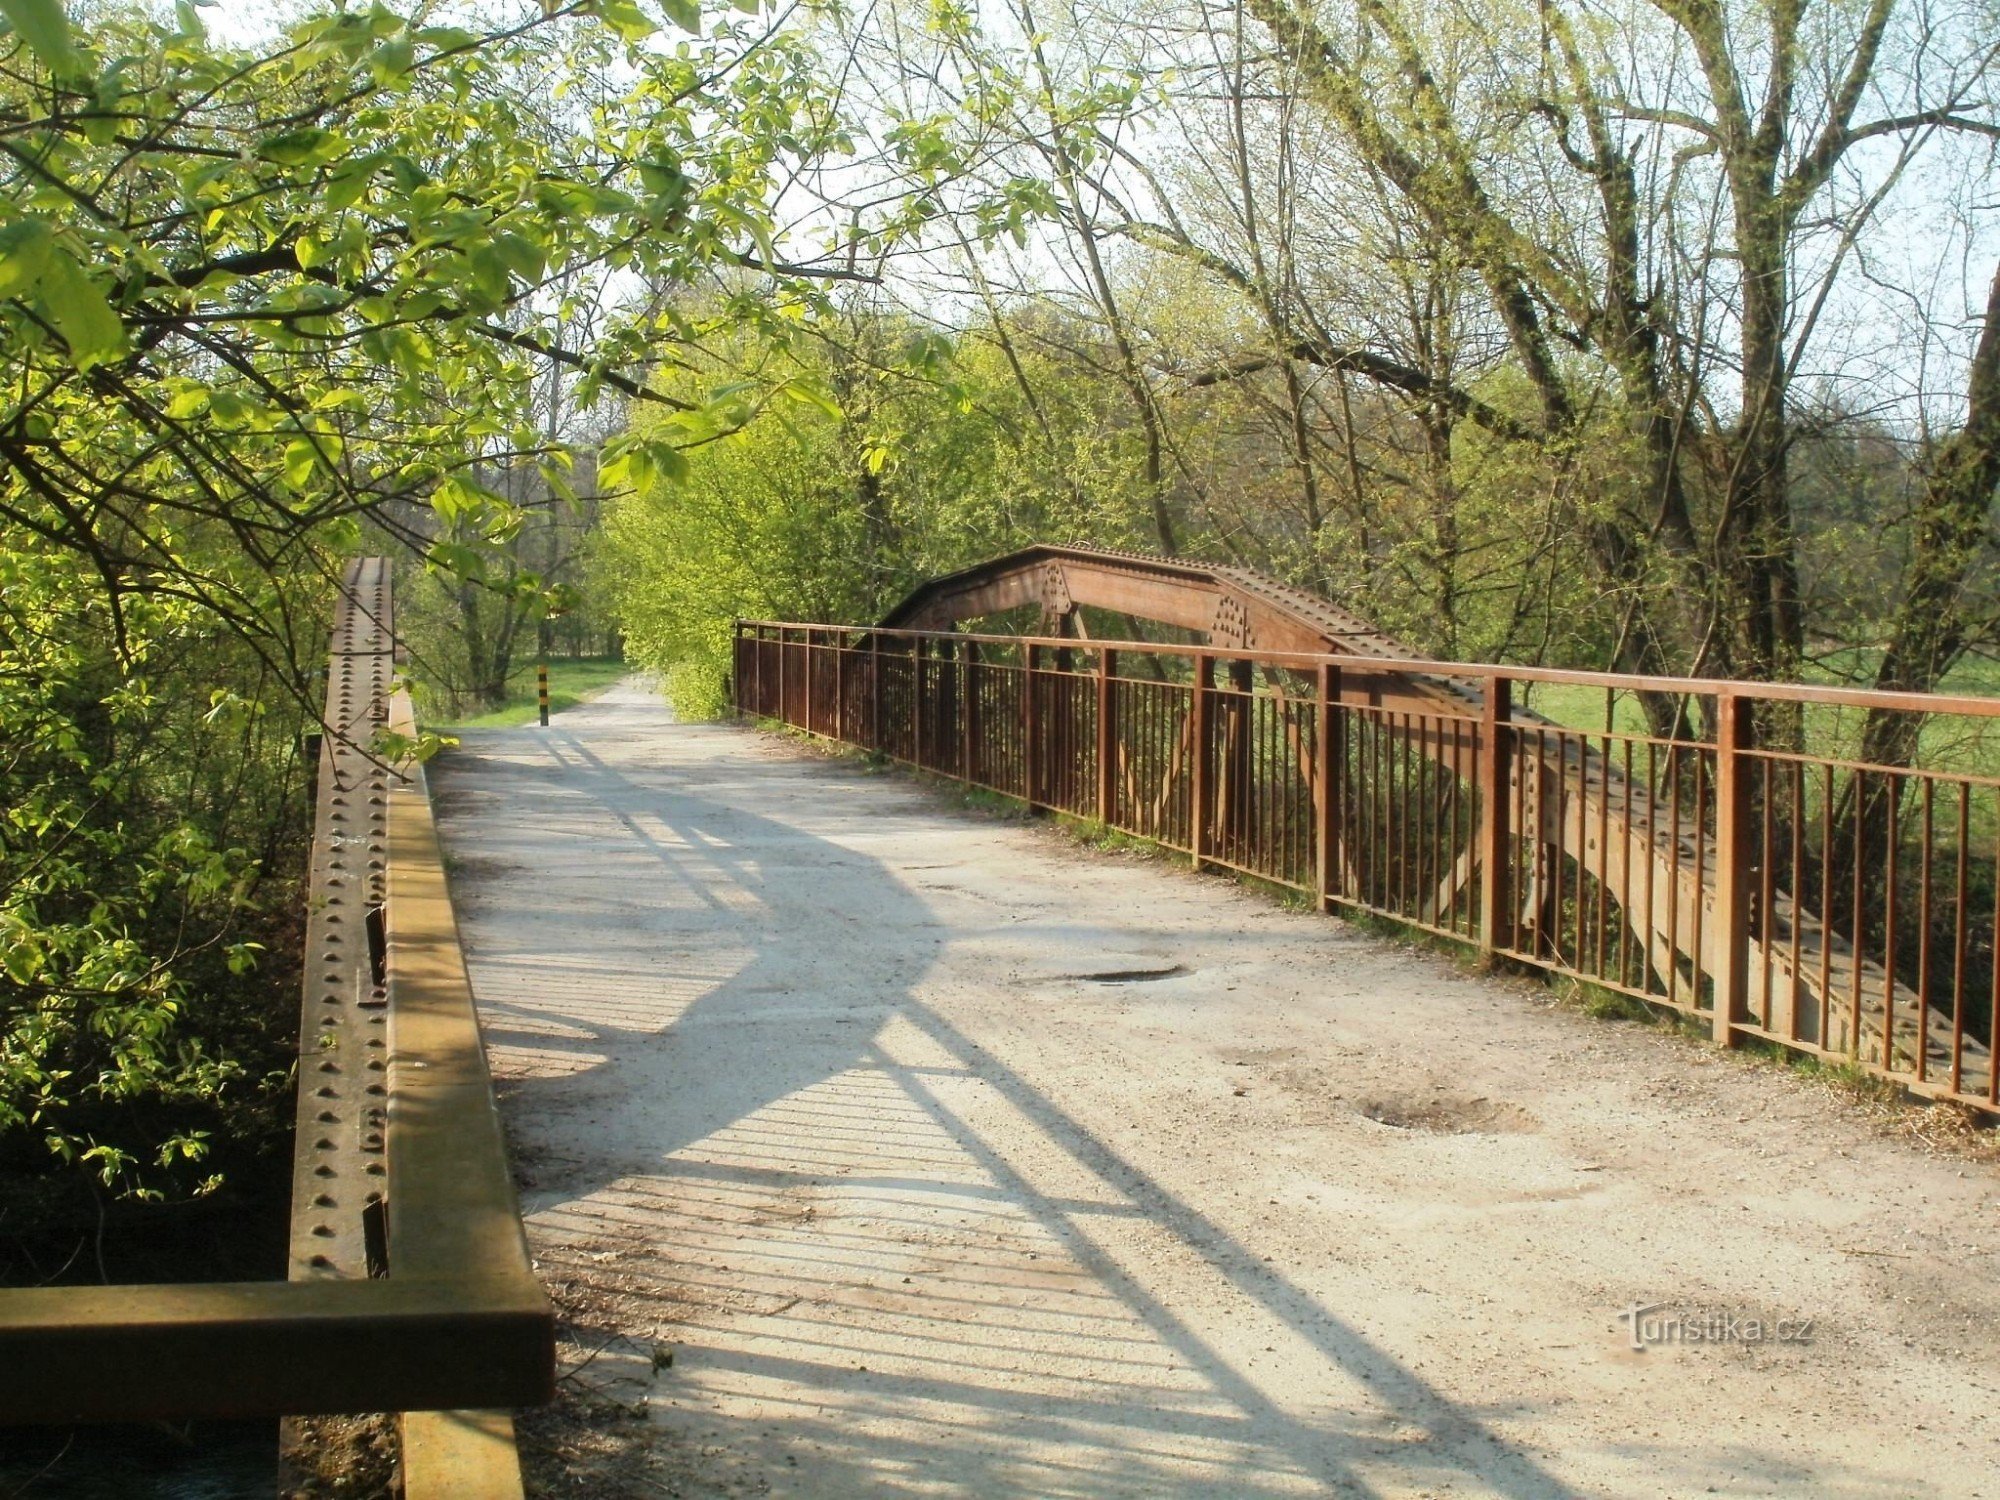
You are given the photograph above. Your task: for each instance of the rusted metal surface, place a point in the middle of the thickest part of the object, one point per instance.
(453, 1214)
(265, 1348)
(411, 1288)
(459, 1455)
(339, 1170)
(1705, 873)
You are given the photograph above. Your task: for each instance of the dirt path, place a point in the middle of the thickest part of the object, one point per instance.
(811, 1085)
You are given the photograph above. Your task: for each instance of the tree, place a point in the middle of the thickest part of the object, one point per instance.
(251, 302)
(1636, 230)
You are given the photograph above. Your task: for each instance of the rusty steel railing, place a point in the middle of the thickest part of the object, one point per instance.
(1837, 908)
(411, 1289)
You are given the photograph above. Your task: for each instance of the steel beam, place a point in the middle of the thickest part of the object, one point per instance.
(411, 1287)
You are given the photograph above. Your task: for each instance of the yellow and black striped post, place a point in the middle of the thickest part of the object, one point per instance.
(542, 691)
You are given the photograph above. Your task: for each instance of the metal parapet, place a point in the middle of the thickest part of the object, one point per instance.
(411, 1288)
(1669, 869)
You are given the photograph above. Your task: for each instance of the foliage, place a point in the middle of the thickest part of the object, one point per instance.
(144, 804)
(935, 456)
(260, 307)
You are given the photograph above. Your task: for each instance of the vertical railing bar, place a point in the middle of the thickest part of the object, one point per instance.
(1731, 942)
(1674, 753)
(1553, 850)
(1858, 780)
(1600, 939)
(1496, 710)
(1993, 988)
(918, 648)
(1704, 804)
(1378, 838)
(1385, 775)
(1924, 892)
(1764, 923)
(1199, 752)
(1895, 799)
(806, 666)
(783, 715)
(1399, 813)
(1325, 819)
(1653, 857)
(1798, 791)
(1958, 941)
(1107, 735)
(1826, 905)
(840, 686)
(875, 690)
(1031, 728)
(1625, 875)
(1451, 834)
(1423, 833)
(968, 712)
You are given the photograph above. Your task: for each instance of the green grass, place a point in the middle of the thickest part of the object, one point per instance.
(1968, 746)
(1847, 1078)
(570, 682)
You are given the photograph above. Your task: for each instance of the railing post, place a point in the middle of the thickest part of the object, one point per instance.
(1107, 735)
(1031, 728)
(1202, 747)
(1729, 932)
(840, 686)
(917, 701)
(783, 705)
(1496, 750)
(810, 726)
(968, 711)
(1330, 744)
(875, 690)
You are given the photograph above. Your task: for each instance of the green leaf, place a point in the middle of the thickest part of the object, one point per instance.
(349, 182)
(522, 255)
(809, 392)
(630, 22)
(685, 14)
(24, 251)
(454, 559)
(669, 462)
(77, 306)
(301, 148)
(299, 462)
(393, 59)
(44, 27)
(189, 400)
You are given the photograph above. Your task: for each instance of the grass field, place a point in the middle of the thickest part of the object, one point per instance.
(570, 682)
(1966, 745)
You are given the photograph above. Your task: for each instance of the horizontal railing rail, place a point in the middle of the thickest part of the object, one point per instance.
(1785, 892)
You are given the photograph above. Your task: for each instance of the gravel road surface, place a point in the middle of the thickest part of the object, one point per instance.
(873, 1147)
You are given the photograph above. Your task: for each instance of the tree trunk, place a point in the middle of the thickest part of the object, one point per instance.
(1931, 627)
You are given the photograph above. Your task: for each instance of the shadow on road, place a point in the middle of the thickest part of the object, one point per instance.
(724, 1116)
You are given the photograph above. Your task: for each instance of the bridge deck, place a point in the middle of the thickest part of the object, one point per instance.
(804, 1081)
